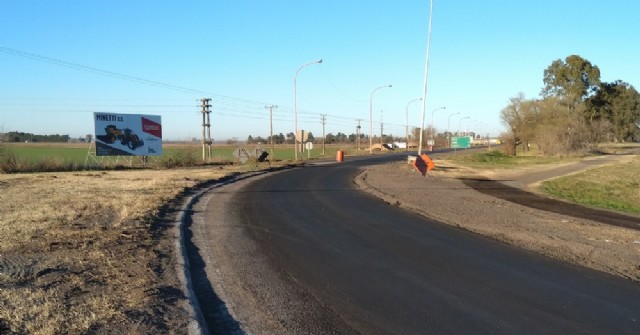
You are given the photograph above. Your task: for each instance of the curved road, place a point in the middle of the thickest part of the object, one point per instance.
(372, 268)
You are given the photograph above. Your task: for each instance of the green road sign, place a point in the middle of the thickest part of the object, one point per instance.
(461, 142)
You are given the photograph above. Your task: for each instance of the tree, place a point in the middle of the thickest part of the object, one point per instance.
(290, 138)
(574, 79)
(520, 116)
(618, 104)
(330, 138)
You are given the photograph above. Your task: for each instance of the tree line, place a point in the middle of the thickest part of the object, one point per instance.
(330, 138)
(15, 136)
(575, 112)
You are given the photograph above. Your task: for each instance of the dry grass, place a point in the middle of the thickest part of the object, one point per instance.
(83, 252)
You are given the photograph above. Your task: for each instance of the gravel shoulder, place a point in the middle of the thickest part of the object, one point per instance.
(503, 205)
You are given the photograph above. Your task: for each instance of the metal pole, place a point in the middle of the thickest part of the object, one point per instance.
(371, 117)
(426, 73)
(460, 123)
(295, 110)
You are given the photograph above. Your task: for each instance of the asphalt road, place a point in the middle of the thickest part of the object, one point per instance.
(380, 270)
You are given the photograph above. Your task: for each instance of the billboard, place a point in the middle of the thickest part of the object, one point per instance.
(127, 134)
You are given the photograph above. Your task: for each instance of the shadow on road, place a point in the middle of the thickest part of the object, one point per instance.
(499, 190)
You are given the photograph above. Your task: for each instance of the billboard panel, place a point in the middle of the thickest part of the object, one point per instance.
(127, 134)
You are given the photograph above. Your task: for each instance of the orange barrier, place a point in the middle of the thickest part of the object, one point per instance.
(339, 155)
(424, 164)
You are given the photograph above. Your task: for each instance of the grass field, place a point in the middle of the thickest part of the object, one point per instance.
(66, 153)
(614, 187)
(496, 159)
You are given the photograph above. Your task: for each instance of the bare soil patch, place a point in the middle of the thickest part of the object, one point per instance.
(473, 200)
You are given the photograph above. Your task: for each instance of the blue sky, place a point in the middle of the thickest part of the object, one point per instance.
(60, 61)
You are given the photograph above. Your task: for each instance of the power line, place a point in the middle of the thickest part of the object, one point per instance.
(112, 74)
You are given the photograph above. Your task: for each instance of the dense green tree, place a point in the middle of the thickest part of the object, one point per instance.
(618, 103)
(330, 138)
(290, 138)
(573, 79)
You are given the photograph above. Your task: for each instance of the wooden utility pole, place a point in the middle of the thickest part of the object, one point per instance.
(271, 125)
(323, 119)
(206, 129)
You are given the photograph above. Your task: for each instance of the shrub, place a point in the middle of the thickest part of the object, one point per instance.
(180, 158)
(8, 161)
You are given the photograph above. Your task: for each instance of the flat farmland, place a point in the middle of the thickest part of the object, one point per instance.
(77, 153)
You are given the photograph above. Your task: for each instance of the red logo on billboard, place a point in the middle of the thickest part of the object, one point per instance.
(151, 127)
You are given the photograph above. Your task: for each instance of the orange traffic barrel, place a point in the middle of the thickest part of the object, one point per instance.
(340, 155)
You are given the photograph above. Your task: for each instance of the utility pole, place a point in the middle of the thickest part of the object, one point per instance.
(206, 129)
(358, 137)
(381, 128)
(323, 119)
(271, 125)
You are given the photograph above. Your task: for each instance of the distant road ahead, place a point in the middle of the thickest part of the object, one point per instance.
(382, 270)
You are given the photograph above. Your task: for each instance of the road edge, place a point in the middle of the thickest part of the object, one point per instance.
(196, 321)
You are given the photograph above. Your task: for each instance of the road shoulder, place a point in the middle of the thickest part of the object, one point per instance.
(446, 197)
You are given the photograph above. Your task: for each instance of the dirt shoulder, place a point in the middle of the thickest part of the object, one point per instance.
(94, 252)
(469, 199)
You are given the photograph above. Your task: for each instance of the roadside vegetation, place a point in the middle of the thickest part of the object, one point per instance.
(575, 113)
(58, 157)
(615, 186)
(497, 159)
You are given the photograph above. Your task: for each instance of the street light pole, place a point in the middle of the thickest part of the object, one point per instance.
(295, 110)
(431, 138)
(449, 126)
(460, 123)
(407, 129)
(371, 117)
(426, 73)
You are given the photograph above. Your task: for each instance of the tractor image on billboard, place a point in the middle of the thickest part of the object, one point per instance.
(126, 137)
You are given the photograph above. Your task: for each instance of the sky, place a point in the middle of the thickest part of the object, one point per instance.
(61, 61)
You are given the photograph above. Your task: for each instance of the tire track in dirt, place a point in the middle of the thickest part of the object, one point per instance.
(16, 268)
